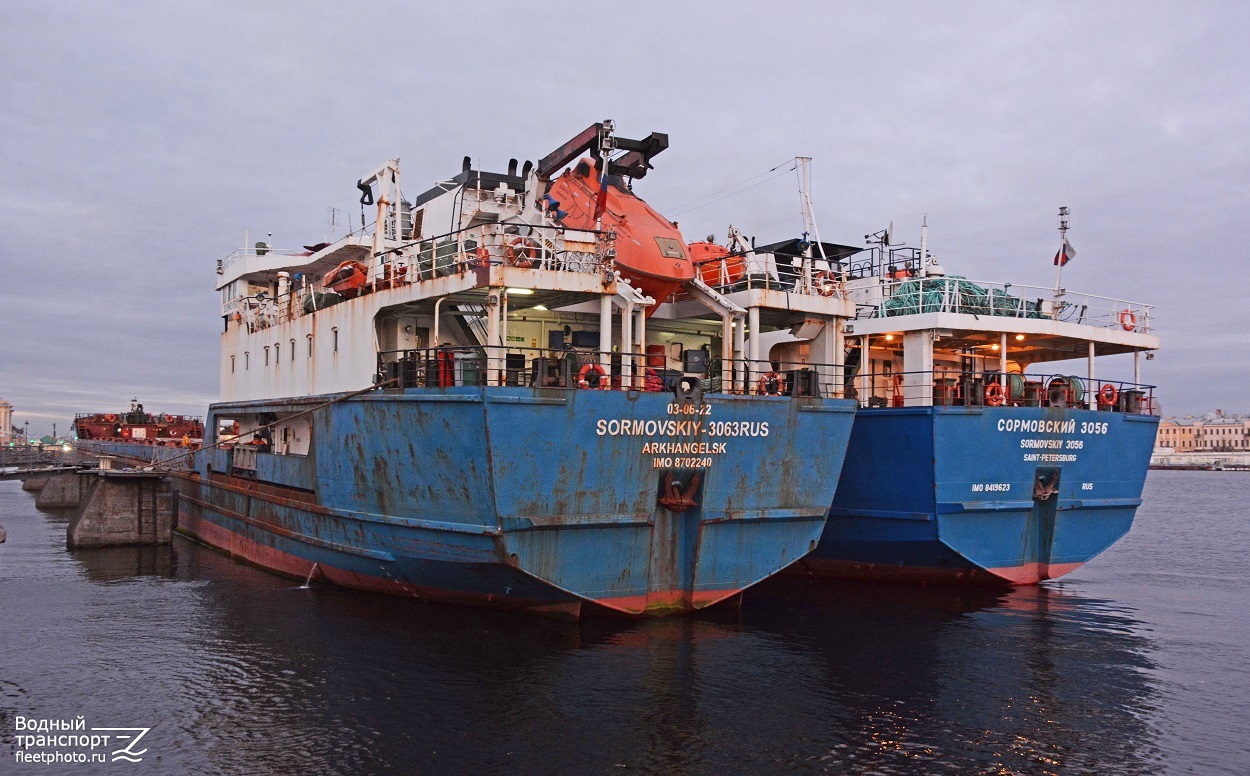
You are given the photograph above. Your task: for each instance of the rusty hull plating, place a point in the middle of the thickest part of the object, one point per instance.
(513, 497)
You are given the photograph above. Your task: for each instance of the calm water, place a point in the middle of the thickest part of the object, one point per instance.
(1137, 663)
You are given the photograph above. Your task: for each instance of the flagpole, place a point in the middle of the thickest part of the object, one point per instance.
(1063, 244)
(606, 146)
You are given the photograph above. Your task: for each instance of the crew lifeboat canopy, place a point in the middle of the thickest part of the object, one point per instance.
(650, 252)
(716, 266)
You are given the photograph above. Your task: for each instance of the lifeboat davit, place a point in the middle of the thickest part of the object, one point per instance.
(650, 252)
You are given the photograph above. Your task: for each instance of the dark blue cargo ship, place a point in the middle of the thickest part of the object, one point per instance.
(971, 458)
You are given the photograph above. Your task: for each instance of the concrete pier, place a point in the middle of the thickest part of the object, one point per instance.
(122, 507)
(62, 491)
(34, 484)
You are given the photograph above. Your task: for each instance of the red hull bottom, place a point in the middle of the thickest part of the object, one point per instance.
(271, 559)
(1026, 574)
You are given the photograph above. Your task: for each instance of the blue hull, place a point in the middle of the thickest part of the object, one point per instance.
(948, 493)
(530, 498)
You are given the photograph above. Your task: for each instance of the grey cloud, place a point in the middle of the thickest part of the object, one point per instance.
(140, 141)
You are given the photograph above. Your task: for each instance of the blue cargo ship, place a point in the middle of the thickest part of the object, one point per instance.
(516, 390)
(973, 459)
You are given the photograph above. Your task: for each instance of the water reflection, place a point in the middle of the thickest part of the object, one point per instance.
(114, 564)
(1030, 680)
(243, 672)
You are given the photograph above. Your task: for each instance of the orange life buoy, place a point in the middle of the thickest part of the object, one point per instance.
(601, 380)
(826, 283)
(995, 394)
(1108, 394)
(771, 384)
(521, 252)
(111, 418)
(1128, 319)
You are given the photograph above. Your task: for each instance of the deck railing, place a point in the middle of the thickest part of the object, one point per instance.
(953, 388)
(583, 369)
(802, 275)
(524, 246)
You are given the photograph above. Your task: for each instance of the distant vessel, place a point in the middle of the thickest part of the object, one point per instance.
(136, 426)
(511, 393)
(968, 462)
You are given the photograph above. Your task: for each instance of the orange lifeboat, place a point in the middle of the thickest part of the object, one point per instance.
(347, 279)
(650, 252)
(716, 265)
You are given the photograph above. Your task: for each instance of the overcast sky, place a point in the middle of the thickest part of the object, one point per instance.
(141, 140)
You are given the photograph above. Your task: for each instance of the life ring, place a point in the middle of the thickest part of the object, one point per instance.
(521, 252)
(111, 418)
(770, 384)
(1128, 319)
(995, 394)
(1108, 394)
(601, 380)
(826, 283)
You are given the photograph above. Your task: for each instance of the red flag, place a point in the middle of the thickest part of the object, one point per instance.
(601, 201)
(1065, 254)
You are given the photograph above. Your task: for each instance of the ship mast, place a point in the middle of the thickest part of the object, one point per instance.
(1063, 244)
(809, 215)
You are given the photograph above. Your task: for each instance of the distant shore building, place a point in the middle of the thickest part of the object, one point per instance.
(1214, 432)
(8, 434)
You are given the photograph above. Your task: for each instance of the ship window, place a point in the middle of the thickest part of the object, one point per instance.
(232, 365)
(277, 354)
(336, 338)
(247, 360)
(292, 350)
(310, 346)
(266, 355)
